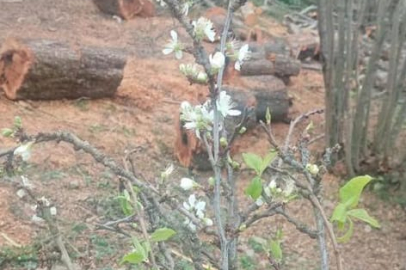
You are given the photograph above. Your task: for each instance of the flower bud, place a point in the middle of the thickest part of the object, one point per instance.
(313, 169)
(243, 130)
(223, 142)
(187, 183)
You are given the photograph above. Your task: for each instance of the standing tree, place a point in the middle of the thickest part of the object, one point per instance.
(352, 102)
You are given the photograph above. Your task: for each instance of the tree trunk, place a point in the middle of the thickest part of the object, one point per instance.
(281, 66)
(126, 9)
(49, 70)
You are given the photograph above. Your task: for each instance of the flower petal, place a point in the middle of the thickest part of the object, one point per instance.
(178, 54)
(167, 51)
(237, 65)
(174, 36)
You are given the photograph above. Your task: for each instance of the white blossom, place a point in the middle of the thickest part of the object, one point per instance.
(208, 222)
(272, 184)
(24, 151)
(190, 224)
(217, 60)
(192, 73)
(45, 201)
(21, 193)
(26, 183)
(161, 3)
(37, 219)
(289, 188)
(168, 171)
(52, 210)
(187, 183)
(260, 201)
(243, 55)
(225, 105)
(174, 46)
(204, 27)
(313, 169)
(194, 206)
(197, 118)
(185, 8)
(202, 77)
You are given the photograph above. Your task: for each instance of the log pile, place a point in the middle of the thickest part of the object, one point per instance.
(127, 9)
(50, 70)
(260, 84)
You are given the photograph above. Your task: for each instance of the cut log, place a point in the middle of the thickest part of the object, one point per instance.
(49, 70)
(282, 67)
(127, 9)
(264, 92)
(270, 49)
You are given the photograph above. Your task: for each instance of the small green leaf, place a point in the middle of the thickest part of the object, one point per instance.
(7, 132)
(17, 122)
(267, 160)
(276, 250)
(268, 116)
(279, 234)
(133, 257)
(362, 215)
(346, 237)
(339, 213)
(310, 127)
(253, 161)
(351, 191)
(125, 206)
(254, 190)
(162, 234)
(140, 248)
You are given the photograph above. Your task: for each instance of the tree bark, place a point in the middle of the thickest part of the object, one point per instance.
(281, 66)
(126, 9)
(49, 70)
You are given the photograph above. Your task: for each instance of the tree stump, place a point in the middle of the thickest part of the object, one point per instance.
(127, 9)
(49, 70)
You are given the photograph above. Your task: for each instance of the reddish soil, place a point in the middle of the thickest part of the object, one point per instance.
(142, 117)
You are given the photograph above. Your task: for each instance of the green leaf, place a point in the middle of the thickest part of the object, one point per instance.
(254, 190)
(362, 215)
(133, 257)
(347, 236)
(279, 234)
(17, 122)
(140, 248)
(339, 213)
(7, 132)
(351, 192)
(125, 206)
(162, 234)
(276, 250)
(268, 116)
(267, 160)
(253, 161)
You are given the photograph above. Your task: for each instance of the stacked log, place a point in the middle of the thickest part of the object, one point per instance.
(127, 9)
(50, 70)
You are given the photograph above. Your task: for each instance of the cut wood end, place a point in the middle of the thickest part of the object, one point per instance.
(185, 144)
(132, 8)
(15, 62)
